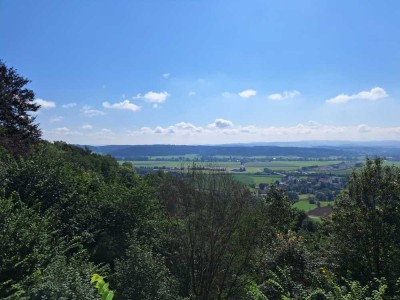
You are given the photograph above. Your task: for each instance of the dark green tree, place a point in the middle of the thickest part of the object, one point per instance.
(216, 229)
(142, 274)
(17, 126)
(366, 225)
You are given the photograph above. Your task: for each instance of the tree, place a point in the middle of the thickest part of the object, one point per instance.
(216, 230)
(17, 127)
(141, 274)
(366, 225)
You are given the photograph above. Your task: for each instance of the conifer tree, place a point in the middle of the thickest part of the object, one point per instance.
(17, 126)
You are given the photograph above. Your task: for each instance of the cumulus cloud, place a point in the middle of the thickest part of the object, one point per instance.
(125, 105)
(69, 105)
(90, 112)
(284, 95)
(372, 95)
(62, 130)
(224, 131)
(106, 131)
(87, 126)
(188, 127)
(55, 119)
(247, 93)
(310, 130)
(183, 128)
(153, 97)
(220, 124)
(45, 104)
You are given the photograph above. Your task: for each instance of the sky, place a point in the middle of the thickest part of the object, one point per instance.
(208, 72)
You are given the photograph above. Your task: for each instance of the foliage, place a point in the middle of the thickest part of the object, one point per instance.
(17, 127)
(102, 287)
(366, 225)
(216, 229)
(142, 274)
(32, 255)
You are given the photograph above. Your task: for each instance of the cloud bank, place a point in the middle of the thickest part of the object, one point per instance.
(224, 131)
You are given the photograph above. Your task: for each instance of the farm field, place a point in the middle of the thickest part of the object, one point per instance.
(292, 164)
(256, 179)
(305, 206)
(178, 164)
(251, 167)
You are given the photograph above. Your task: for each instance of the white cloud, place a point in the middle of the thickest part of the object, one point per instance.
(166, 75)
(62, 130)
(87, 126)
(161, 130)
(191, 93)
(248, 129)
(221, 123)
(182, 128)
(90, 112)
(106, 131)
(69, 105)
(153, 97)
(284, 95)
(188, 127)
(363, 128)
(55, 119)
(45, 104)
(247, 93)
(224, 131)
(313, 124)
(126, 105)
(372, 95)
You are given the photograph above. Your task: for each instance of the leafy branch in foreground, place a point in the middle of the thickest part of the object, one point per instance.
(102, 287)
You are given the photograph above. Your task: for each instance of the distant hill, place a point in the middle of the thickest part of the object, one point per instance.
(127, 152)
(389, 150)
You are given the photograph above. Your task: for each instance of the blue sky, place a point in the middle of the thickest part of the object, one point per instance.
(199, 72)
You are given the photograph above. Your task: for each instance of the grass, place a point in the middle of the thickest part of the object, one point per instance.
(305, 206)
(256, 179)
(171, 164)
(179, 157)
(304, 197)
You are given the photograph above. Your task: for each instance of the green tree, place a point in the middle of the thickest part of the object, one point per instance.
(17, 127)
(36, 263)
(214, 222)
(142, 274)
(366, 225)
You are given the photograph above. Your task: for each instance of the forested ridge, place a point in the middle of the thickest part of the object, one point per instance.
(67, 213)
